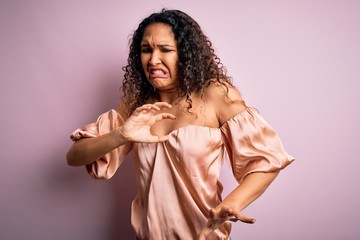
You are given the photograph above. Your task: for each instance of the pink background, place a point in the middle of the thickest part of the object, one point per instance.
(60, 67)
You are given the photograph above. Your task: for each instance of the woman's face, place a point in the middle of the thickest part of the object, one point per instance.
(159, 56)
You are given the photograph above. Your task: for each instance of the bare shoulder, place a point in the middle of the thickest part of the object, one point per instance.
(222, 90)
(225, 98)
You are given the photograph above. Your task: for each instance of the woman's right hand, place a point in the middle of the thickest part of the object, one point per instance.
(135, 129)
(138, 127)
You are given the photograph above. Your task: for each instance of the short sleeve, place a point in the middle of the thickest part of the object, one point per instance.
(106, 166)
(252, 145)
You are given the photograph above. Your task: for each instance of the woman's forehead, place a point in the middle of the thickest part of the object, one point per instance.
(158, 32)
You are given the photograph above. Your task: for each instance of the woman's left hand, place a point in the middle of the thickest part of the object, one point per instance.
(218, 216)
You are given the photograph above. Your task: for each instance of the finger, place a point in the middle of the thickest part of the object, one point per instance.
(243, 218)
(162, 116)
(213, 219)
(163, 104)
(147, 107)
(212, 213)
(216, 214)
(155, 139)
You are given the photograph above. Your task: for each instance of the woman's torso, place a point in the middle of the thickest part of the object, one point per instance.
(178, 180)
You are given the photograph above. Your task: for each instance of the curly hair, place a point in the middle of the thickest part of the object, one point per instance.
(198, 65)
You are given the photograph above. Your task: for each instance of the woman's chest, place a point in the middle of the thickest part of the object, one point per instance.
(192, 149)
(200, 114)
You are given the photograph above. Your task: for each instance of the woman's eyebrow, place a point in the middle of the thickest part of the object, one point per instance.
(158, 45)
(165, 45)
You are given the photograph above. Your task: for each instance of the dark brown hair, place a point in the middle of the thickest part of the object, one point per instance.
(198, 64)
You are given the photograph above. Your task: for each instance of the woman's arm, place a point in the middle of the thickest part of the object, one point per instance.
(88, 150)
(228, 103)
(249, 190)
(230, 208)
(135, 129)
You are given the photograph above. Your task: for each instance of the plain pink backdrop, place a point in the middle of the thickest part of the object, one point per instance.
(60, 67)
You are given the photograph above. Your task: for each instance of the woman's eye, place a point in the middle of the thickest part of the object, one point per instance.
(146, 50)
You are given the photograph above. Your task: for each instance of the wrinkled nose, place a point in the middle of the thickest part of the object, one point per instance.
(155, 58)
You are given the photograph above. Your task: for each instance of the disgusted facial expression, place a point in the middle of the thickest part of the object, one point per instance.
(159, 56)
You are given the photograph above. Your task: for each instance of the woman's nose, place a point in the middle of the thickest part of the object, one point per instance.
(155, 58)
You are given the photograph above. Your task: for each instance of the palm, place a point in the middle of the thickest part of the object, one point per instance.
(218, 216)
(137, 127)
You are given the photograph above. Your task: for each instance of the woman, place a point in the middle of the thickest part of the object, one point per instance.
(182, 117)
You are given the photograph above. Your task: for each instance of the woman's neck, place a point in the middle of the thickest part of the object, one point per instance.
(170, 96)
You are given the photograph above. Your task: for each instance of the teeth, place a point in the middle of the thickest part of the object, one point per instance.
(157, 72)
